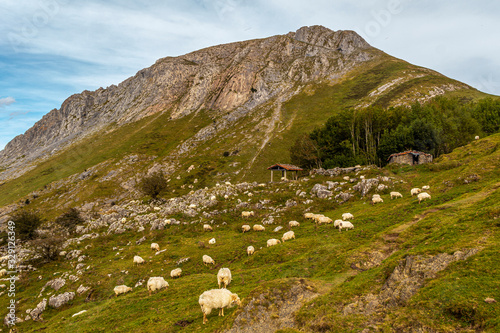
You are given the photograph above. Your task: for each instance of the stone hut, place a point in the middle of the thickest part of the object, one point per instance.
(410, 157)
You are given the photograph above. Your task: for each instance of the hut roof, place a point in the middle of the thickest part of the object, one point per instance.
(413, 152)
(287, 167)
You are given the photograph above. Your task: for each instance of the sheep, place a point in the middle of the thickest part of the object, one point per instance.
(207, 227)
(288, 235)
(345, 225)
(308, 215)
(336, 223)
(138, 260)
(347, 216)
(213, 198)
(426, 187)
(156, 283)
(476, 137)
(175, 273)
(396, 195)
(250, 250)
(211, 241)
(3, 272)
(121, 289)
(324, 219)
(208, 260)
(224, 277)
(155, 247)
(316, 217)
(258, 227)
(245, 228)
(217, 299)
(415, 190)
(247, 214)
(377, 200)
(422, 196)
(272, 242)
(293, 224)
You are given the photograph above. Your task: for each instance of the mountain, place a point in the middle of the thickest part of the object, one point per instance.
(255, 79)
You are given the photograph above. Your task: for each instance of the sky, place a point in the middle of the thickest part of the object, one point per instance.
(51, 49)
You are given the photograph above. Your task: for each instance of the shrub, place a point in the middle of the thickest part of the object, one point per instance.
(153, 185)
(26, 223)
(49, 246)
(69, 220)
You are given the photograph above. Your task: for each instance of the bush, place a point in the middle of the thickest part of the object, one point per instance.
(26, 223)
(153, 185)
(69, 220)
(49, 246)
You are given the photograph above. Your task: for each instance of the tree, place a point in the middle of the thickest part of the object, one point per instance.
(48, 246)
(69, 220)
(26, 224)
(153, 185)
(304, 153)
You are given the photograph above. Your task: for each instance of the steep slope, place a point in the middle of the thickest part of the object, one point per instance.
(405, 267)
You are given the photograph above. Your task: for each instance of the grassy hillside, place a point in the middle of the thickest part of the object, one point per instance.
(464, 213)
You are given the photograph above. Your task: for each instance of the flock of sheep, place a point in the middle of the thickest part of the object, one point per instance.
(222, 298)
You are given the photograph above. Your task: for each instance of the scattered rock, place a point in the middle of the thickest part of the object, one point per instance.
(490, 300)
(61, 299)
(37, 312)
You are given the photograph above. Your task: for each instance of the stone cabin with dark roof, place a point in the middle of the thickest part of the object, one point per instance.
(411, 157)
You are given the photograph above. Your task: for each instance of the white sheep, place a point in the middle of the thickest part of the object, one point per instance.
(347, 216)
(272, 242)
(293, 224)
(345, 225)
(211, 241)
(377, 200)
(477, 137)
(175, 273)
(258, 227)
(422, 196)
(156, 283)
(213, 198)
(308, 215)
(245, 228)
(250, 250)
(208, 260)
(207, 227)
(324, 219)
(288, 235)
(247, 214)
(415, 190)
(138, 260)
(155, 247)
(426, 187)
(224, 277)
(217, 299)
(396, 195)
(316, 217)
(121, 289)
(336, 223)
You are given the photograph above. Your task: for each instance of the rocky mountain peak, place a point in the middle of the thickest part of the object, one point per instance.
(318, 35)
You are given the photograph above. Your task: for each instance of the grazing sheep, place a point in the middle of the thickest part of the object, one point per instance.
(245, 228)
(308, 215)
(138, 260)
(415, 191)
(293, 224)
(376, 196)
(377, 200)
(247, 214)
(224, 277)
(121, 289)
(316, 217)
(422, 196)
(207, 227)
(288, 235)
(324, 219)
(217, 299)
(477, 137)
(345, 225)
(155, 247)
(156, 283)
(208, 260)
(213, 198)
(426, 187)
(272, 242)
(175, 273)
(250, 250)
(212, 241)
(258, 227)
(347, 216)
(336, 223)
(396, 195)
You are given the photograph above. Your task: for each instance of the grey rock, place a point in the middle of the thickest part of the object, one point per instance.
(61, 299)
(56, 284)
(37, 312)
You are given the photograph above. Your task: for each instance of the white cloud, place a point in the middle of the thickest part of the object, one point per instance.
(6, 101)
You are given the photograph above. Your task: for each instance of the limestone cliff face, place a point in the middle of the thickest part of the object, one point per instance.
(226, 79)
